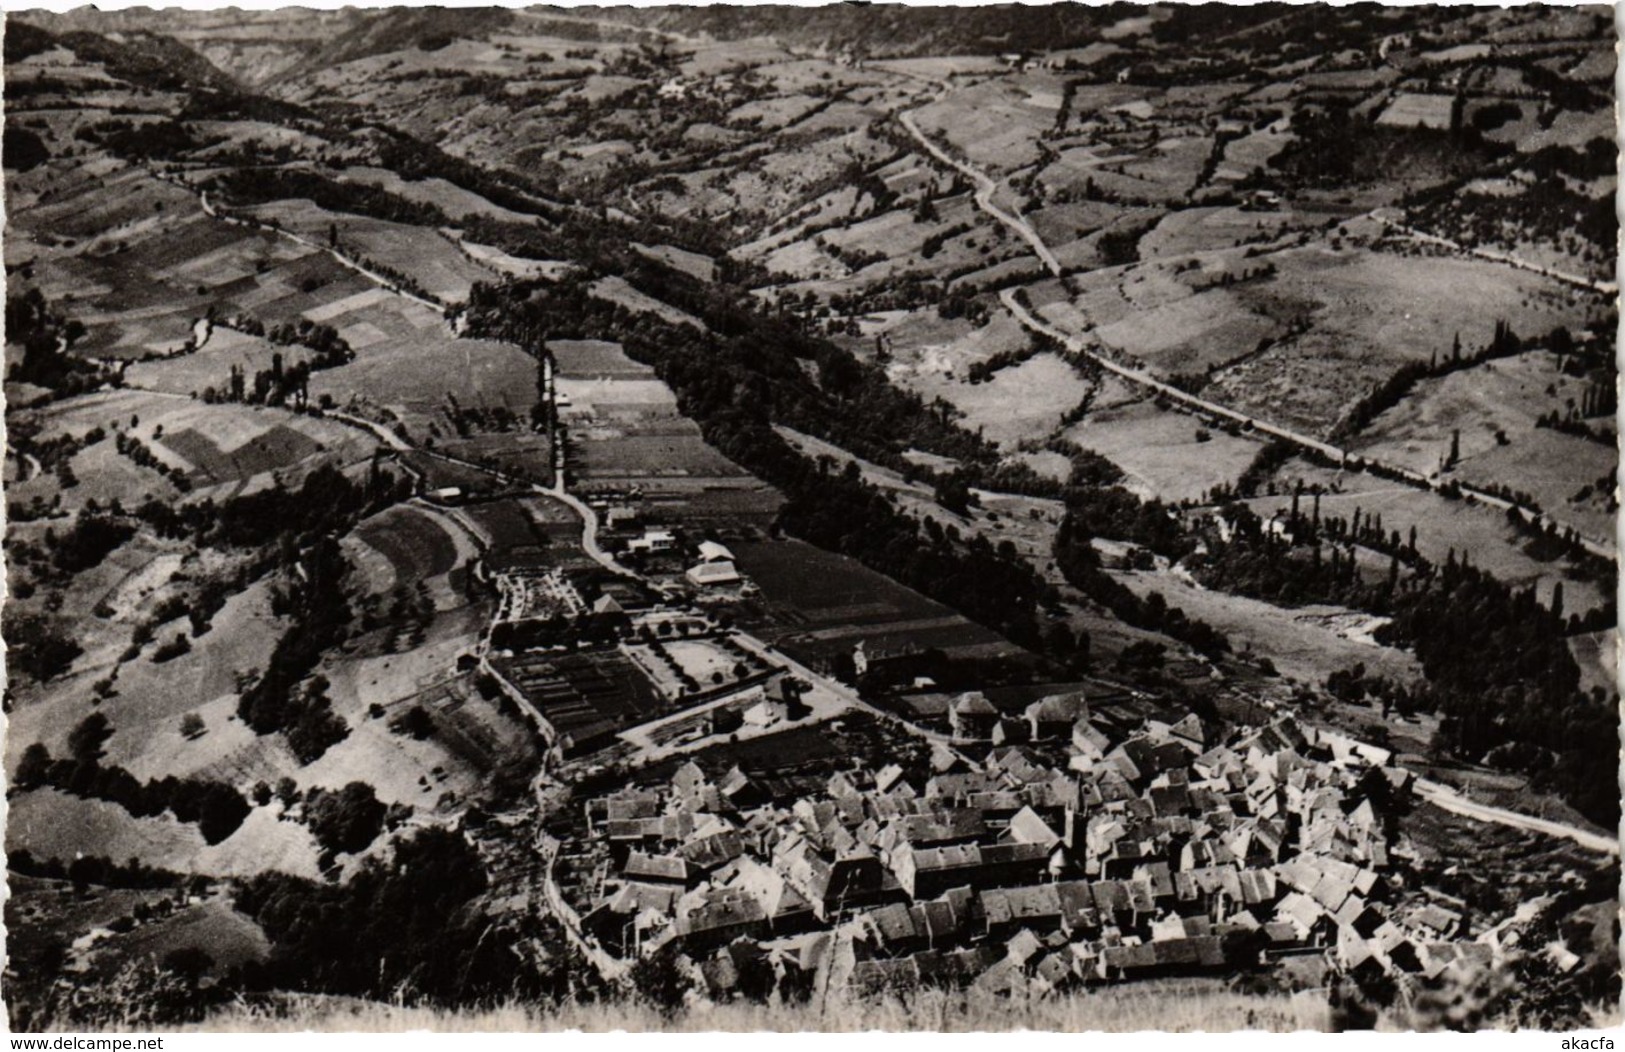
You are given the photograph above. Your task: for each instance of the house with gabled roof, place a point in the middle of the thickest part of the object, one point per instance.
(972, 717)
(1056, 715)
(657, 869)
(1027, 827)
(1089, 744)
(718, 916)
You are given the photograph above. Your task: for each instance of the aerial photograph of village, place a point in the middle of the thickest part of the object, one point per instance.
(1069, 517)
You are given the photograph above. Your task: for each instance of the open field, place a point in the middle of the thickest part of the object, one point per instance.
(1164, 454)
(416, 377)
(1306, 644)
(213, 926)
(409, 547)
(1441, 525)
(1174, 1005)
(1336, 320)
(1484, 404)
(1019, 402)
(1209, 198)
(146, 709)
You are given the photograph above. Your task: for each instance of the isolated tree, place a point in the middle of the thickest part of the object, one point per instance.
(192, 725)
(33, 767)
(85, 741)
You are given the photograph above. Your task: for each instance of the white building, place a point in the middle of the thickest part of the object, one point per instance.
(714, 573)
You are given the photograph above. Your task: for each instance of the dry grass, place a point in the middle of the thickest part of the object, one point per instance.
(1174, 1006)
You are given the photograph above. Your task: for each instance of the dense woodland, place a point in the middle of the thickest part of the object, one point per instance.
(1497, 664)
(407, 928)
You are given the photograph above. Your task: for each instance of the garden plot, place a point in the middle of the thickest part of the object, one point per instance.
(704, 661)
(1164, 453)
(817, 605)
(608, 396)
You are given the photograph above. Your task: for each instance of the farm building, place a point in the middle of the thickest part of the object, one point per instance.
(711, 574)
(652, 541)
(973, 717)
(712, 552)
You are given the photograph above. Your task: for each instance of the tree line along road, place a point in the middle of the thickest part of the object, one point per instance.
(1076, 345)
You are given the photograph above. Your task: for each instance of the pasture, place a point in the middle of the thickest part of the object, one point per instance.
(209, 367)
(1019, 402)
(1367, 313)
(1306, 643)
(50, 824)
(407, 545)
(213, 926)
(1160, 451)
(1441, 525)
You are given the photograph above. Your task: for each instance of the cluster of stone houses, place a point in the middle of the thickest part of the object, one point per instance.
(1151, 852)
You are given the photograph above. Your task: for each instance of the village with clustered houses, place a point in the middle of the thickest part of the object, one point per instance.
(1053, 517)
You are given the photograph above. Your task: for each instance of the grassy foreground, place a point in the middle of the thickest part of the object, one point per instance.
(1179, 1007)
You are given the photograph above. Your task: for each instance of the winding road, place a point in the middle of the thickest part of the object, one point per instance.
(1607, 288)
(1077, 345)
(1440, 795)
(1450, 800)
(373, 276)
(985, 189)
